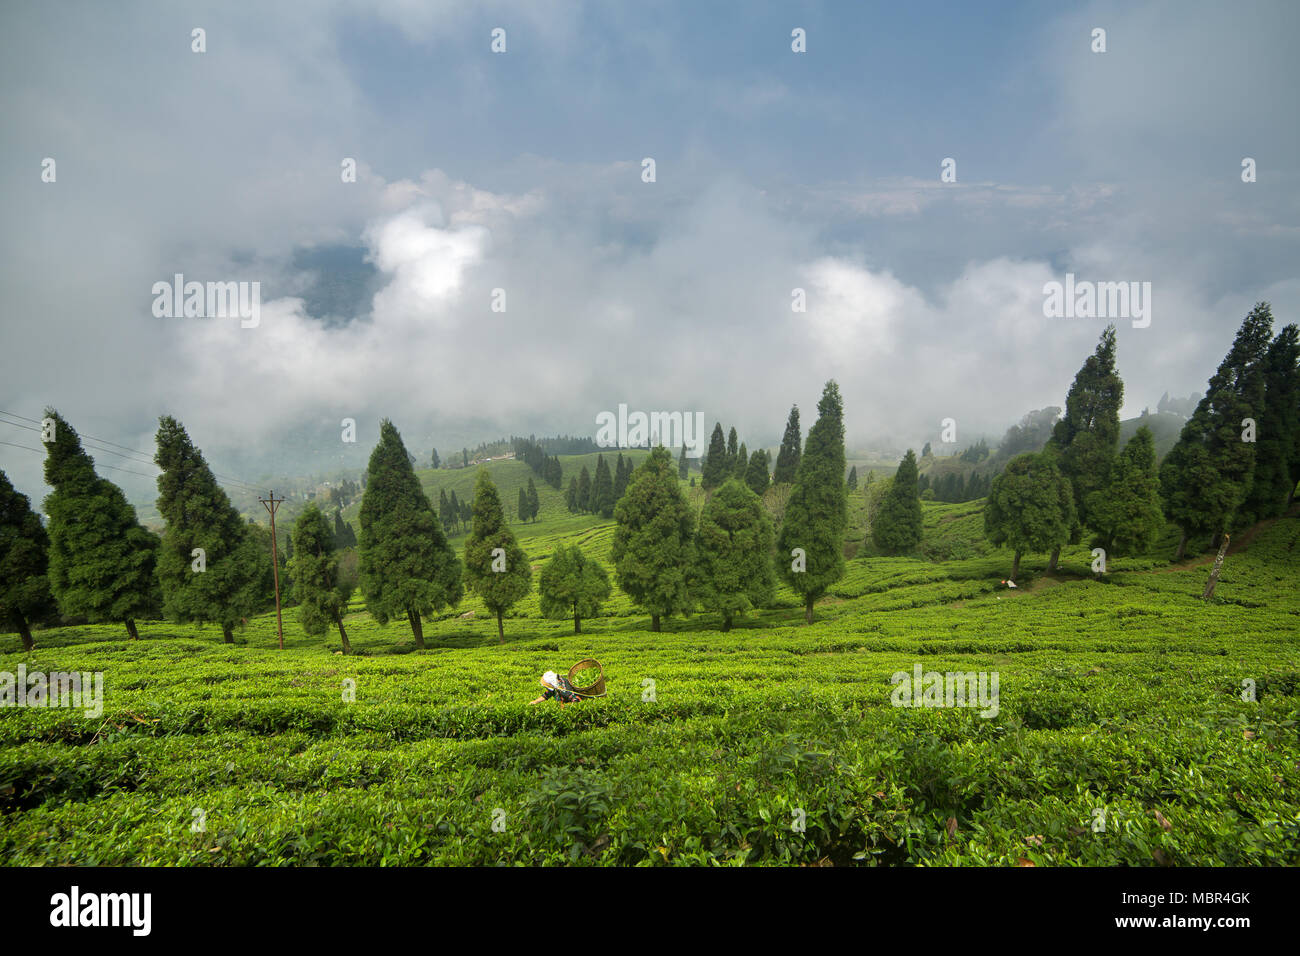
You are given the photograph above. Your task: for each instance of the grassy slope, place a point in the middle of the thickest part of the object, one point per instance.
(1122, 696)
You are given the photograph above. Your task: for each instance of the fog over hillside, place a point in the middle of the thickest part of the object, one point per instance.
(478, 172)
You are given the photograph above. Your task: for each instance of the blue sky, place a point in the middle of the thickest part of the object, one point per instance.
(521, 171)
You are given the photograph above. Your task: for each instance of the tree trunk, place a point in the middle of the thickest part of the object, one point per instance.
(1051, 564)
(347, 648)
(577, 623)
(808, 610)
(228, 633)
(24, 631)
(1015, 567)
(417, 628)
(1218, 566)
(654, 622)
(1182, 547)
(501, 628)
(130, 629)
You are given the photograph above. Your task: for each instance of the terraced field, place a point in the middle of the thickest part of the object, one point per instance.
(1124, 733)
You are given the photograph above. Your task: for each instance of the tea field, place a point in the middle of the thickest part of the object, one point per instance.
(1135, 725)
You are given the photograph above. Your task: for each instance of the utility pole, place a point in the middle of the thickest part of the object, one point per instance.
(271, 504)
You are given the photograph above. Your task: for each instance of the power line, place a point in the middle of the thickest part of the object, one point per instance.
(142, 457)
(97, 465)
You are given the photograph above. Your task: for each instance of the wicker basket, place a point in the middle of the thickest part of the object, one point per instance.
(594, 689)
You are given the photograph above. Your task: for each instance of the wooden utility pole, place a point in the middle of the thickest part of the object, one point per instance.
(271, 504)
(1218, 566)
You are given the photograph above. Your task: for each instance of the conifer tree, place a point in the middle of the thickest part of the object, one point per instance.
(715, 465)
(897, 525)
(25, 597)
(602, 490)
(1030, 506)
(522, 507)
(683, 466)
(817, 510)
(212, 567)
(435, 461)
(622, 472)
(742, 462)
(496, 568)
(454, 510)
(653, 549)
(406, 565)
(756, 476)
(572, 585)
(321, 590)
(584, 490)
(787, 458)
(571, 496)
(1087, 435)
(534, 503)
(853, 478)
(733, 553)
(1208, 473)
(1276, 469)
(101, 560)
(1126, 513)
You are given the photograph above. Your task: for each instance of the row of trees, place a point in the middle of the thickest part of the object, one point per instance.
(598, 495)
(95, 560)
(1236, 462)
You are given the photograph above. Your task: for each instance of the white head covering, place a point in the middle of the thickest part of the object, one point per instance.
(550, 680)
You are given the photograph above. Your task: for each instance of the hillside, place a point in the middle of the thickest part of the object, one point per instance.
(1119, 697)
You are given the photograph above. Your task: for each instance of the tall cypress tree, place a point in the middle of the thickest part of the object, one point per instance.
(787, 458)
(25, 596)
(496, 568)
(571, 496)
(897, 527)
(733, 553)
(715, 465)
(1030, 506)
(732, 452)
(742, 462)
(522, 507)
(653, 548)
(683, 466)
(1087, 435)
(534, 503)
(236, 581)
(817, 511)
(1126, 513)
(1208, 473)
(853, 478)
(454, 509)
(602, 490)
(756, 476)
(622, 471)
(1275, 474)
(321, 591)
(407, 567)
(101, 561)
(584, 490)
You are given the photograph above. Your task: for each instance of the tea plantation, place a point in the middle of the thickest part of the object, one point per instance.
(1136, 725)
